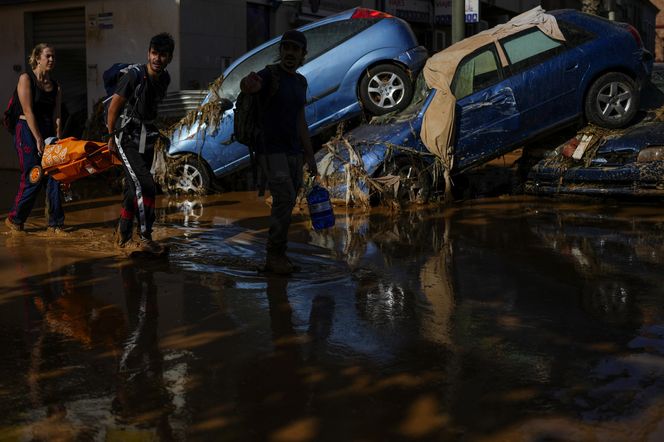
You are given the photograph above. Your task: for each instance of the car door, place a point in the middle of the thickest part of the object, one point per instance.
(545, 75)
(487, 113)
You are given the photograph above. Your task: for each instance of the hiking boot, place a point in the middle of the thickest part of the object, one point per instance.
(279, 264)
(149, 246)
(13, 226)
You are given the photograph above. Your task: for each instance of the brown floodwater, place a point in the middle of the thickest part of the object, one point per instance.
(496, 320)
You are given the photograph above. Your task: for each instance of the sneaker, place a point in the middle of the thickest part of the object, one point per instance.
(57, 231)
(13, 226)
(124, 244)
(279, 264)
(119, 240)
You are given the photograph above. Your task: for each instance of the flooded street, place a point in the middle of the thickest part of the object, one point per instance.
(497, 320)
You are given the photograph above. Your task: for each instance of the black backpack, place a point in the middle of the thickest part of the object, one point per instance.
(14, 109)
(111, 78)
(248, 111)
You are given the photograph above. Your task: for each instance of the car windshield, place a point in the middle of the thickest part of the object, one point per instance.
(230, 87)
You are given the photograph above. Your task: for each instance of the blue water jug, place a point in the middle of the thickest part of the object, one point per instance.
(320, 208)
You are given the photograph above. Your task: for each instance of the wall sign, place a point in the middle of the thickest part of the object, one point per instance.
(443, 11)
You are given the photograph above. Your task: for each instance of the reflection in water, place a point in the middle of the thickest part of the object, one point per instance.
(385, 253)
(273, 393)
(95, 370)
(492, 321)
(141, 395)
(182, 210)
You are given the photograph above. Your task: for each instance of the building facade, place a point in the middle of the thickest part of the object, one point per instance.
(642, 14)
(91, 35)
(659, 31)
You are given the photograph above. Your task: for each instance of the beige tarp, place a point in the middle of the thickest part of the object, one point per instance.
(439, 71)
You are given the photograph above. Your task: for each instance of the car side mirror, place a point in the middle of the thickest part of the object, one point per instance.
(225, 104)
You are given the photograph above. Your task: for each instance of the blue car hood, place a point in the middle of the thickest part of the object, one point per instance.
(373, 143)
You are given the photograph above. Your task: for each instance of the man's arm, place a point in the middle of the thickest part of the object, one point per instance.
(117, 102)
(305, 139)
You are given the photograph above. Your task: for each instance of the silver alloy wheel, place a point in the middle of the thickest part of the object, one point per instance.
(386, 89)
(188, 179)
(614, 100)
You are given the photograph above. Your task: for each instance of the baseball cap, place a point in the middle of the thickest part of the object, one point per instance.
(293, 36)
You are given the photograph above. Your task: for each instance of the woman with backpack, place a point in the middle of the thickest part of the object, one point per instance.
(38, 107)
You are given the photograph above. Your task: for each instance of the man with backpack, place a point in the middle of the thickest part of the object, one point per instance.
(131, 112)
(284, 144)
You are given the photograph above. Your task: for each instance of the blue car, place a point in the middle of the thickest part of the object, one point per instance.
(358, 59)
(595, 75)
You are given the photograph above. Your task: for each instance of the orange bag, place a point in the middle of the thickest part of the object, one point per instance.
(71, 159)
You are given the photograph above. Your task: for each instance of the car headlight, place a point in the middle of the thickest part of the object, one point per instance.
(649, 154)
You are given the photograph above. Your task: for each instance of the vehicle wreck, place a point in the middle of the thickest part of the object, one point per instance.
(605, 163)
(481, 106)
(357, 60)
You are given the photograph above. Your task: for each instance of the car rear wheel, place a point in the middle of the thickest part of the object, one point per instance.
(385, 88)
(190, 175)
(612, 101)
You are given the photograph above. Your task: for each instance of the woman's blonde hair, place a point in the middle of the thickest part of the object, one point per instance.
(36, 53)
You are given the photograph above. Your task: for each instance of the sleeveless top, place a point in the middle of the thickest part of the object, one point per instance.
(43, 105)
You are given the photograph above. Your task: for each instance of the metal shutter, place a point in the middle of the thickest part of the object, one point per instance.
(65, 30)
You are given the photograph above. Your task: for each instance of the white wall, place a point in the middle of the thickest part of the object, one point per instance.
(134, 22)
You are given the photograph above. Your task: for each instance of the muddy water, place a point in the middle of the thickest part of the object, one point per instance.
(504, 319)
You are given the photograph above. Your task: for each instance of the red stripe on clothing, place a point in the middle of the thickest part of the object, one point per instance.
(18, 140)
(148, 202)
(126, 214)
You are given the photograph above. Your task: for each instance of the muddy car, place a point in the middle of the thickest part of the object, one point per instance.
(358, 59)
(628, 164)
(507, 93)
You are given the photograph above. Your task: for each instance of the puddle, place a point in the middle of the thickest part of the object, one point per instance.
(500, 319)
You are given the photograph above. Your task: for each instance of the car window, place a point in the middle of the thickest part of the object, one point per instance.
(319, 40)
(323, 38)
(574, 35)
(529, 49)
(230, 87)
(476, 72)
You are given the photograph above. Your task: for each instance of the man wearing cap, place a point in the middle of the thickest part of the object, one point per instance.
(286, 144)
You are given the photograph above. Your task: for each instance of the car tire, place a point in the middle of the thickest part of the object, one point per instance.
(385, 88)
(415, 184)
(191, 175)
(612, 101)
